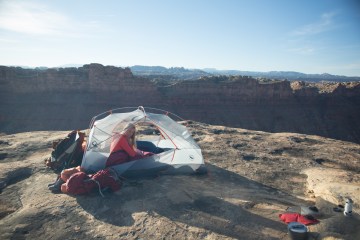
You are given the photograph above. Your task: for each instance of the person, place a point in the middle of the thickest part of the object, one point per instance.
(125, 141)
(123, 147)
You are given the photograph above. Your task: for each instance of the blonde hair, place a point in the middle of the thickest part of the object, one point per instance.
(131, 139)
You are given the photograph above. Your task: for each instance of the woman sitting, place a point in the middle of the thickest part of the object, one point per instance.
(123, 147)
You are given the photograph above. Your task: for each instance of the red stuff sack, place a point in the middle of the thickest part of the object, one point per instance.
(106, 179)
(79, 183)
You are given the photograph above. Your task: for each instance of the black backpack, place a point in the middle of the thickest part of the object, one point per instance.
(67, 152)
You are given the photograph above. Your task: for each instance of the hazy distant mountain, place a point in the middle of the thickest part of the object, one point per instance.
(289, 75)
(160, 73)
(71, 65)
(163, 73)
(180, 73)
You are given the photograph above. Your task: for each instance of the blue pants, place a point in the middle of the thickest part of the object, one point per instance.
(148, 147)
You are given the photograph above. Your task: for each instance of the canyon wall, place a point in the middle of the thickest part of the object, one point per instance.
(67, 98)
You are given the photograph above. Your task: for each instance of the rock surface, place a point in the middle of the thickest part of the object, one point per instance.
(253, 177)
(66, 98)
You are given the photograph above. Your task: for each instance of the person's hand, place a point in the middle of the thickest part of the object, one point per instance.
(139, 152)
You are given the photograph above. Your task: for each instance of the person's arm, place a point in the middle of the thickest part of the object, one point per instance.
(126, 147)
(114, 146)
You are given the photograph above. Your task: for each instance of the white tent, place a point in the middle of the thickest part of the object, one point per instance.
(180, 153)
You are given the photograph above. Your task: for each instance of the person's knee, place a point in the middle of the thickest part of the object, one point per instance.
(63, 188)
(66, 174)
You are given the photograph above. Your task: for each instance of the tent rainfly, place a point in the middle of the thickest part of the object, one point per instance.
(179, 152)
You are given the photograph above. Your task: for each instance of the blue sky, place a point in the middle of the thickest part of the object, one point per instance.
(309, 36)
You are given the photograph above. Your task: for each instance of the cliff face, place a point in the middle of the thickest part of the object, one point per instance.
(63, 99)
(93, 77)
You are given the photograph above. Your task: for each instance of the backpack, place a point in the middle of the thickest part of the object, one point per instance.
(67, 152)
(106, 179)
(79, 183)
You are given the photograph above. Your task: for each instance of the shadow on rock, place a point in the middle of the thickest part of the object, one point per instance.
(215, 202)
(15, 176)
(36, 225)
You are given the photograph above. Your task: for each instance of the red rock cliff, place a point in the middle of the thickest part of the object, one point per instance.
(67, 98)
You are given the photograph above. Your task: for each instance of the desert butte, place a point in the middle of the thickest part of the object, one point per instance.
(252, 177)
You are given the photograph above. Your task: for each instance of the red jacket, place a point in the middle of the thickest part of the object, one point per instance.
(121, 151)
(120, 142)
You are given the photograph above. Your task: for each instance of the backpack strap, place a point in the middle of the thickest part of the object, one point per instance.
(98, 186)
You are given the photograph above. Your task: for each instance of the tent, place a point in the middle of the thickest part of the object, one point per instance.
(179, 152)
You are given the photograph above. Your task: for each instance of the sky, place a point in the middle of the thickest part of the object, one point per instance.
(321, 36)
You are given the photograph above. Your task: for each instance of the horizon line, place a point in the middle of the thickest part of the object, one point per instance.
(202, 69)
